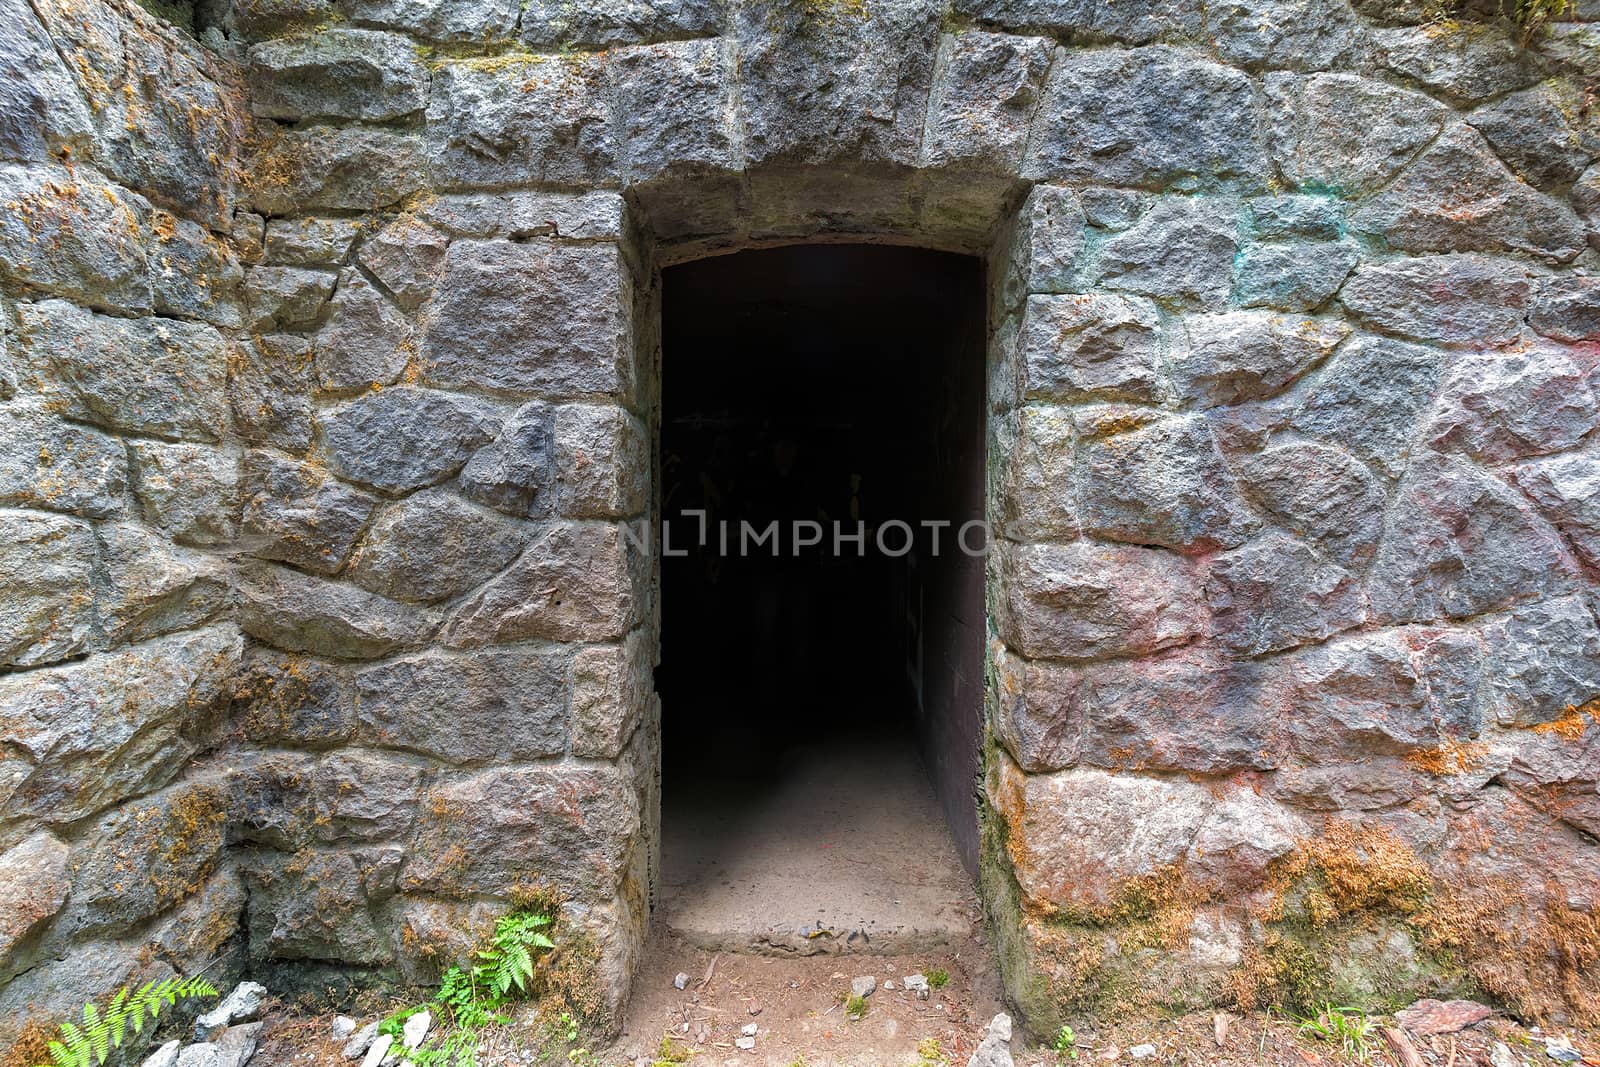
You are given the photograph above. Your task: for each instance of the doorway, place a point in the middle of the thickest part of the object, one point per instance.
(821, 672)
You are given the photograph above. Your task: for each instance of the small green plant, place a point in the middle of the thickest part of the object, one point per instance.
(929, 1053)
(1066, 1043)
(938, 978)
(669, 1053)
(855, 1008)
(82, 1044)
(1347, 1027)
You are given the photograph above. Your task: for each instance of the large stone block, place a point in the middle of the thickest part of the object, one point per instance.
(1081, 602)
(300, 613)
(1465, 300)
(1458, 197)
(309, 242)
(1319, 493)
(193, 273)
(1092, 20)
(1466, 60)
(1234, 849)
(1162, 484)
(521, 214)
(1151, 117)
(869, 108)
(1568, 309)
(570, 827)
(191, 491)
(154, 588)
(42, 115)
(1567, 491)
(1036, 498)
(1038, 713)
(1548, 134)
(575, 582)
(1346, 133)
(269, 391)
(1458, 542)
(286, 298)
(1181, 251)
(311, 906)
(1098, 347)
(113, 725)
(1297, 34)
(433, 546)
(612, 687)
(516, 472)
(154, 376)
(1044, 250)
(490, 706)
(1276, 593)
(605, 23)
(1352, 698)
(326, 168)
(1249, 355)
(33, 887)
(543, 119)
(1369, 399)
(1501, 406)
(47, 564)
(602, 462)
(366, 796)
(532, 318)
(60, 466)
(676, 109)
(70, 236)
(366, 341)
(1543, 658)
(292, 700)
(337, 73)
(456, 21)
(407, 256)
(402, 439)
(985, 91)
(1292, 275)
(296, 513)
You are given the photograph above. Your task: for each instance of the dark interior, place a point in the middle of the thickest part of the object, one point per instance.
(824, 383)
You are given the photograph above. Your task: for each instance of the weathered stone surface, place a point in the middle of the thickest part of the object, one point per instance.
(490, 706)
(367, 341)
(1091, 347)
(1585, 198)
(401, 439)
(1468, 301)
(309, 242)
(432, 546)
(407, 257)
(432, 931)
(602, 462)
(1354, 697)
(112, 726)
(1319, 493)
(571, 826)
(46, 568)
(1078, 836)
(154, 376)
(1037, 713)
(1045, 247)
(1249, 355)
(1500, 406)
(322, 168)
(985, 90)
(1091, 19)
(299, 613)
(1036, 500)
(1083, 601)
(1547, 134)
(286, 298)
(1233, 849)
(1567, 308)
(193, 274)
(1181, 250)
(1151, 117)
(1567, 491)
(269, 391)
(33, 887)
(311, 906)
(294, 512)
(153, 588)
(601, 24)
(1313, 217)
(516, 472)
(520, 214)
(1163, 484)
(1275, 593)
(543, 119)
(676, 109)
(879, 56)
(1543, 658)
(612, 687)
(364, 796)
(59, 466)
(41, 113)
(1458, 197)
(1459, 542)
(1345, 133)
(440, 20)
(1300, 34)
(74, 237)
(190, 491)
(1292, 276)
(1368, 399)
(489, 329)
(205, 926)
(337, 73)
(146, 857)
(1467, 61)
(56, 987)
(292, 700)
(575, 582)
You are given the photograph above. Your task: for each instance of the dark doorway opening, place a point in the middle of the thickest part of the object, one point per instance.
(821, 701)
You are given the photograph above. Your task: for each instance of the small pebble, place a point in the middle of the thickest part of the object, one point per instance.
(379, 1050)
(1500, 1055)
(863, 985)
(343, 1027)
(744, 1042)
(889, 985)
(681, 981)
(240, 1006)
(748, 1030)
(165, 1056)
(416, 1029)
(917, 984)
(1142, 1052)
(362, 1040)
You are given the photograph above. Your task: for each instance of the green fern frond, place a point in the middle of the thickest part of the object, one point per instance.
(90, 1042)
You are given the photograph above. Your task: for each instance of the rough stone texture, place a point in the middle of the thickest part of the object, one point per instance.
(191, 491)
(1368, 399)
(1320, 493)
(1091, 347)
(47, 562)
(433, 546)
(337, 73)
(1181, 250)
(1469, 301)
(1499, 406)
(401, 439)
(33, 887)
(294, 512)
(367, 340)
(1249, 355)
(60, 466)
(1346, 133)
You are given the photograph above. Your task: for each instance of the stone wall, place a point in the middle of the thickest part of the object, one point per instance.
(321, 595)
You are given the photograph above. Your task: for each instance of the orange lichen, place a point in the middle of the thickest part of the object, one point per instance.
(1571, 724)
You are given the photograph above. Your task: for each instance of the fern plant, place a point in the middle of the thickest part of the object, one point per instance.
(89, 1042)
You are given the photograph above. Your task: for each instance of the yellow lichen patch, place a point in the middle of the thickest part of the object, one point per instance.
(1450, 758)
(1348, 869)
(1571, 724)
